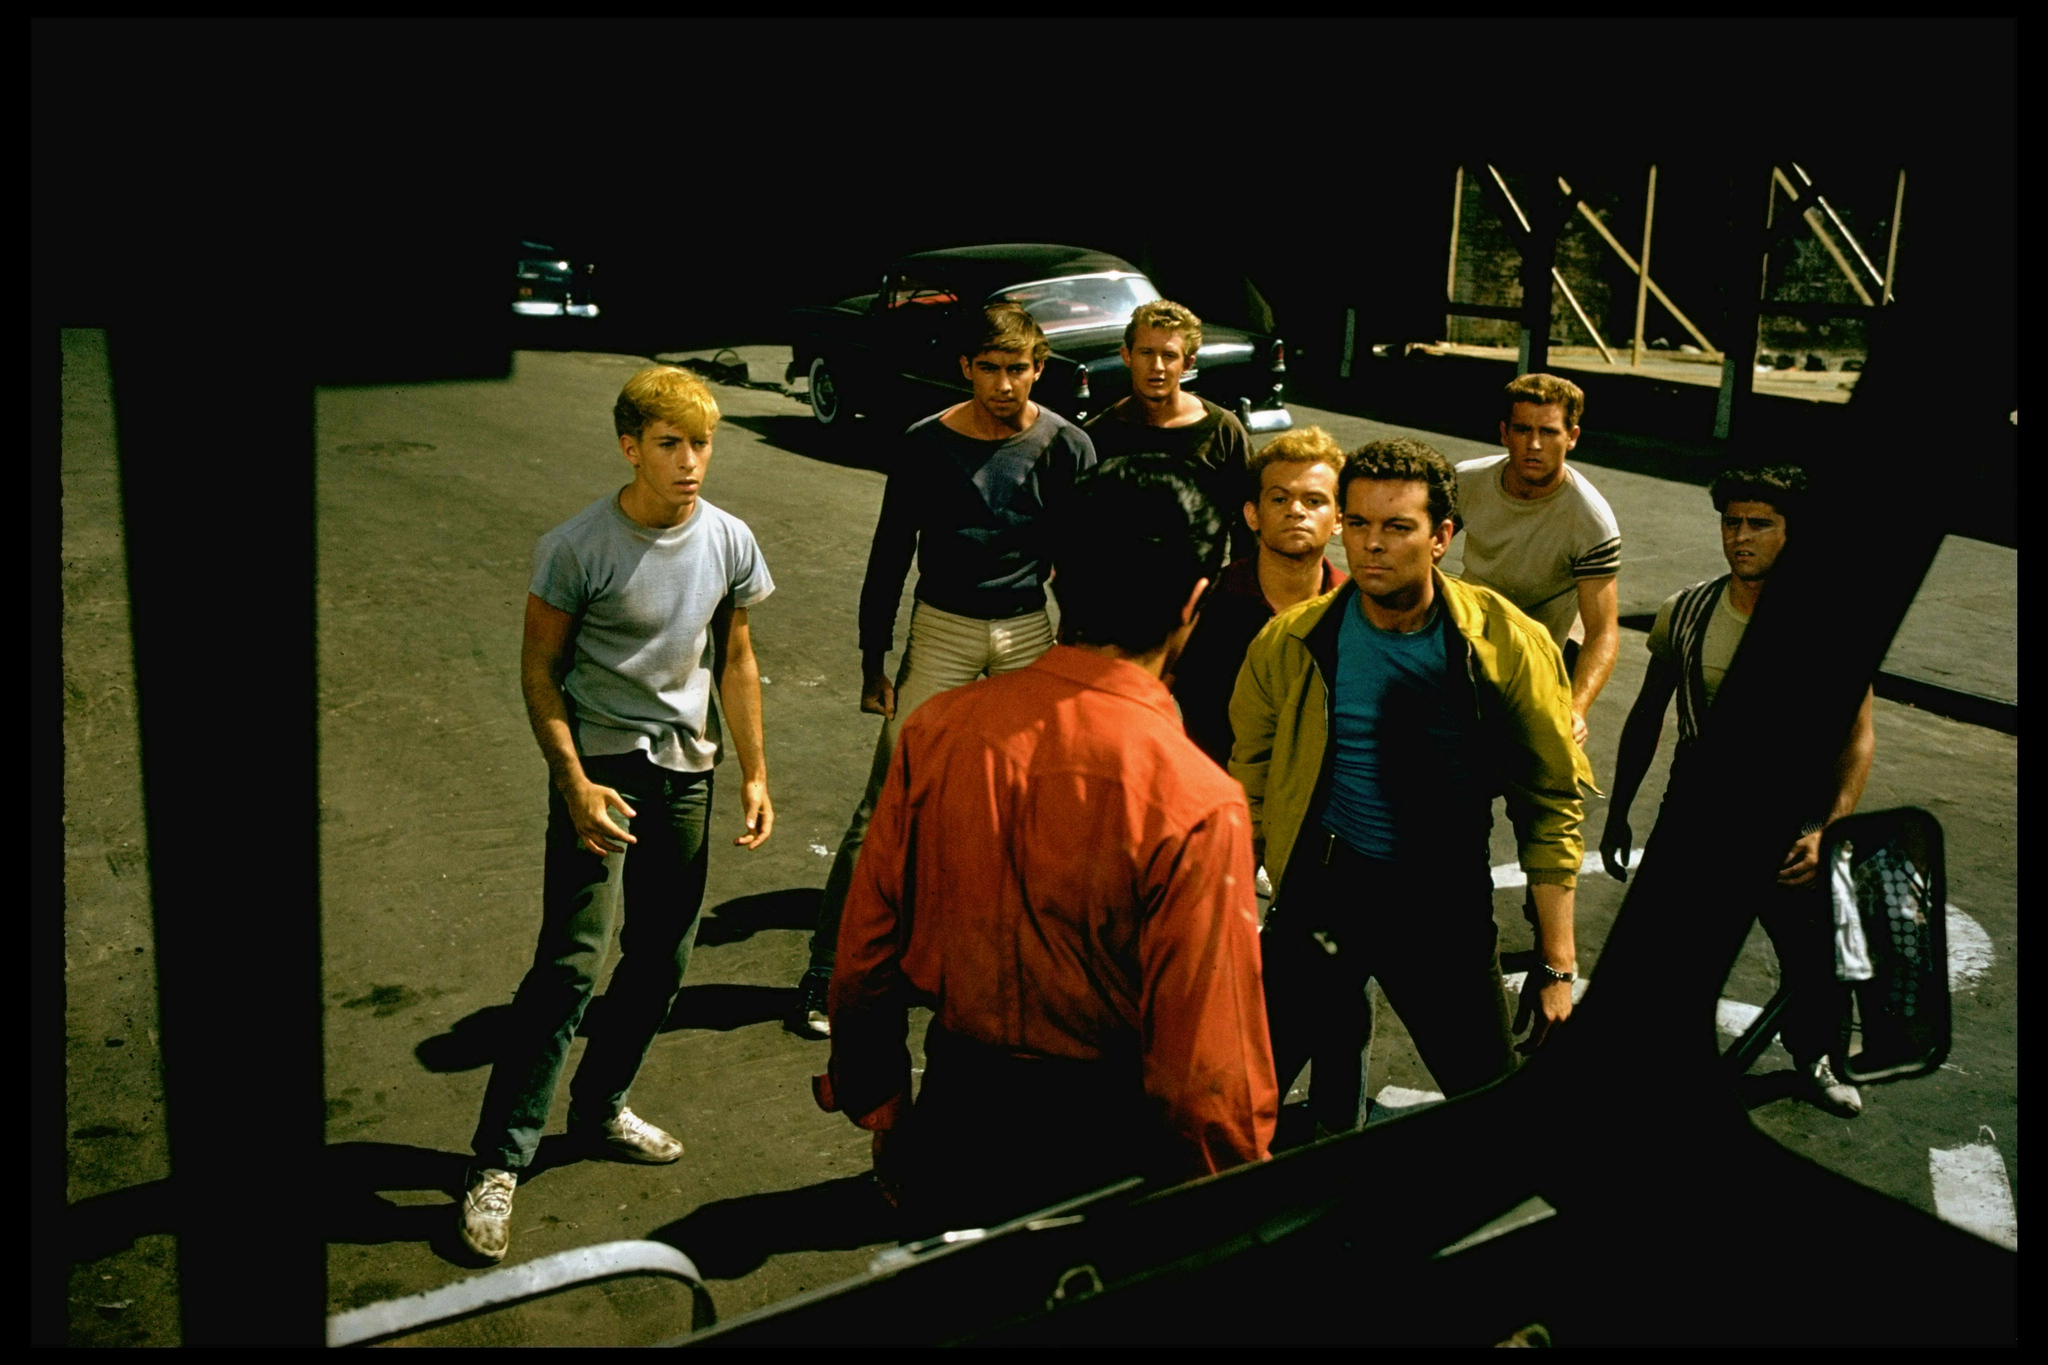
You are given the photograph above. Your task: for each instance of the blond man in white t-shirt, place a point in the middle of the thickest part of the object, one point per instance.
(1537, 532)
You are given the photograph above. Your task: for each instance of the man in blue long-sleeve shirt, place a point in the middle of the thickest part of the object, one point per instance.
(967, 496)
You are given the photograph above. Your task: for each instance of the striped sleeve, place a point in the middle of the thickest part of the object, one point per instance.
(1602, 561)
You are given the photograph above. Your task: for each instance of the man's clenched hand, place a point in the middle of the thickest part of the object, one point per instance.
(590, 807)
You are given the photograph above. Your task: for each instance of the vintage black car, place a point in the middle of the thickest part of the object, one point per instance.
(545, 284)
(894, 353)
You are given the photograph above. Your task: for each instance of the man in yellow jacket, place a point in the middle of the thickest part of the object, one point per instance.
(1373, 727)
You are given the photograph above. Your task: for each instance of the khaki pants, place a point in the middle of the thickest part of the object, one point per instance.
(944, 651)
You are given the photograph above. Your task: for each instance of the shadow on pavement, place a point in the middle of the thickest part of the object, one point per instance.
(107, 1223)
(359, 1177)
(858, 447)
(724, 1008)
(472, 1041)
(354, 1179)
(742, 917)
(729, 1238)
(1768, 1088)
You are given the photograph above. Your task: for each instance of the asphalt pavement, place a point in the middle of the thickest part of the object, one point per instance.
(430, 499)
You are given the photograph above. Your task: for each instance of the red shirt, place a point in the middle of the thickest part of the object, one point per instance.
(1056, 869)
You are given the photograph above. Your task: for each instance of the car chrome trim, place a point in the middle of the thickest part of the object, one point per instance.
(1090, 275)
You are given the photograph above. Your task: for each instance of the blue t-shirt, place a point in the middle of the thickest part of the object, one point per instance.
(1403, 781)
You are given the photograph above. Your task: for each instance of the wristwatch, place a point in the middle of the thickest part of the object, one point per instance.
(1555, 975)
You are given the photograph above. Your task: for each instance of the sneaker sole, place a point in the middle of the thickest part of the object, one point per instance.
(605, 1147)
(492, 1256)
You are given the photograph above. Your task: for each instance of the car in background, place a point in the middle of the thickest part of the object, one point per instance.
(894, 353)
(547, 284)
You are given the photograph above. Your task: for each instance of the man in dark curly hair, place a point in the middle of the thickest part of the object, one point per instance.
(1692, 645)
(1373, 728)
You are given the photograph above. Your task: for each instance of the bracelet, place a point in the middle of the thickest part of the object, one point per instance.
(1812, 827)
(1555, 975)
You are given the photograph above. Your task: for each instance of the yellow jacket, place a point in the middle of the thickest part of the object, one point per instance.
(1280, 713)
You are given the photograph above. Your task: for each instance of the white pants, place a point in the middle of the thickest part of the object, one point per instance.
(944, 651)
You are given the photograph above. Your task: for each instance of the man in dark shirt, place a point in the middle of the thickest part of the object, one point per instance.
(1067, 883)
(1693, 642)
(1160, 344)
(1294, 516)
(966, 497)
(1372, 729)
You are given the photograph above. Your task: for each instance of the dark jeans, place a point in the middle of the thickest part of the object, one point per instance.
(1801, 923)
(1424, 930)
(581, 905)
(995, 1134)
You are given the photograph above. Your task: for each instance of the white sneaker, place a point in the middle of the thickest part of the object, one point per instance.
(633, 1138)
(487, 1214)
(1826, 1092)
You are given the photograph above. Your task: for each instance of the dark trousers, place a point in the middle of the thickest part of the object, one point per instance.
(1801, 923)
(995, 1134)
(583, 902)
(1423, 930)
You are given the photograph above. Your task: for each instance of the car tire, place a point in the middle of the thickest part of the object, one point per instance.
(829, 406)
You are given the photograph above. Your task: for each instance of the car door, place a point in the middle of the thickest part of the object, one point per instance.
(920, 314)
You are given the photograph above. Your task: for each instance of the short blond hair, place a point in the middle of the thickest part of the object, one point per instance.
(1543, 390)
(1310, 445)
(1166, 316)
(663, 393)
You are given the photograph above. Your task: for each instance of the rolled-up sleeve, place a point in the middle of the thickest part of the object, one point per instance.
(1547, 768)
(1208, 1061)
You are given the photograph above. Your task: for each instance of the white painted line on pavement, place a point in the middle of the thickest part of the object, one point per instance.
(1973, 1191)
(1395, 1100)
(1733, 1017)
(1401, 1097)
(1969, 951)
(1509, 875)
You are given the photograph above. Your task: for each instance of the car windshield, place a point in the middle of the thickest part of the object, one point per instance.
(1081, 301)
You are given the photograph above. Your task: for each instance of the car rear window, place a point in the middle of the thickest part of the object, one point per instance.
(1083, 301)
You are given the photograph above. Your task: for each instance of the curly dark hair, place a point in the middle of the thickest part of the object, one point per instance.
(1404, 461)
(1783, 486)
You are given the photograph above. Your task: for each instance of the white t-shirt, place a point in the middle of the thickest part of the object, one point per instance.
(1534, 552)
(644, 599)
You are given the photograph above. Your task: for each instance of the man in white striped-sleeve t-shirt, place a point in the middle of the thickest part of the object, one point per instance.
(1538, 533)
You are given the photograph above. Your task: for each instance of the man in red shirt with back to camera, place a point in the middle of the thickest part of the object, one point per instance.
(1063, 877)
